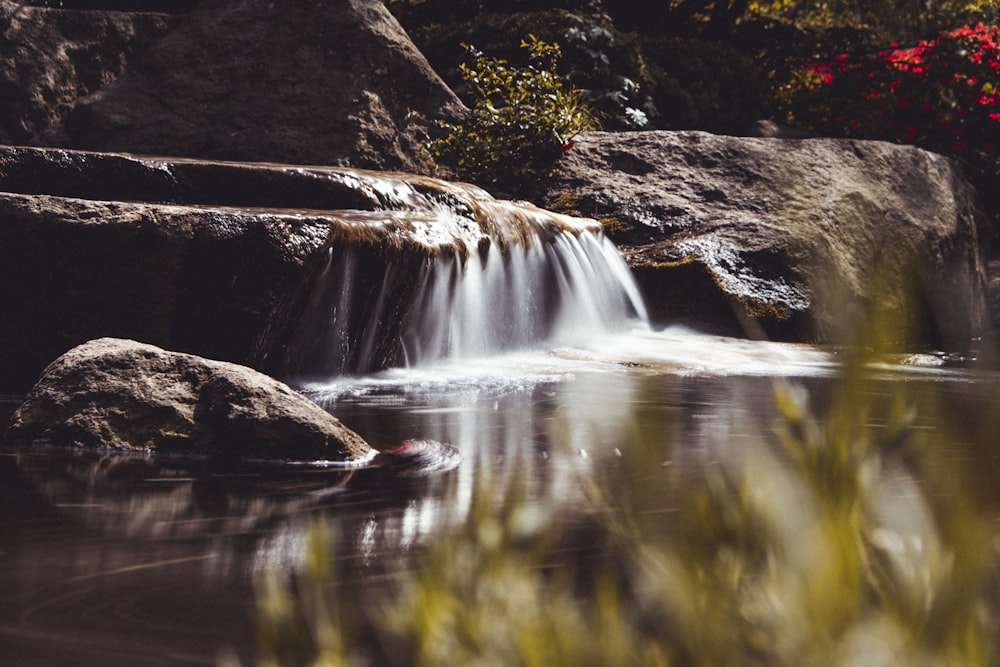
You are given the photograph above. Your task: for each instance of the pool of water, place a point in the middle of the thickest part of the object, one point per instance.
(136, 561)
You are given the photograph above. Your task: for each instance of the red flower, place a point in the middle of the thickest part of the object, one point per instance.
(933, 93)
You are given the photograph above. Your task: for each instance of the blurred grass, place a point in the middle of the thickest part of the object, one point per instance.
(838, 537)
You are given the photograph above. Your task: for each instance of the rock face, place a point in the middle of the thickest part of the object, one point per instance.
(786, 238)
(241, 262)
(124, 395)
(200, 279)
(293, 81)
(190, 256)
(49, 58)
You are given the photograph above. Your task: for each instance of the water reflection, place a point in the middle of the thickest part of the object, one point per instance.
(118, 561)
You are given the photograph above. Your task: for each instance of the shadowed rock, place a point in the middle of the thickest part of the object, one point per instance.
(50, 58)
(123, 395)
(193, 279)
(292, 81)
(227, 260)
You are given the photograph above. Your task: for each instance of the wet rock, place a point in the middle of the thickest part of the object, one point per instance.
(131, 178)
(226, 260)
(50, 58)
(292, 81)
(122, 395)
(189, 278)
(993, 292)
(166, 6)
(795, 239)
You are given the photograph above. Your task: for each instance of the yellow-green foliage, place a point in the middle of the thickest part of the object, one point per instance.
(304, 624)
(483, 597)
(900, 21)
(521, 118)
(817, 545)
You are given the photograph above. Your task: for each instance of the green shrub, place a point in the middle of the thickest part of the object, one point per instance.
(522, 119)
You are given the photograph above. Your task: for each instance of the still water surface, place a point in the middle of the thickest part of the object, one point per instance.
(131, 561)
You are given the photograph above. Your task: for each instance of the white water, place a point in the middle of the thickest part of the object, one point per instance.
(572, 288)
(443, 285)
(675, 351)
(456, 275)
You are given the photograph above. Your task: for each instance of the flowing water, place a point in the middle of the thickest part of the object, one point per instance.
(131, 564)
(451, 273)
(486, 300)
(529, 355)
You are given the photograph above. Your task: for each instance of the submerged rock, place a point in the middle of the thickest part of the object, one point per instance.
(128, 396)
(796, 239)
(417, 458)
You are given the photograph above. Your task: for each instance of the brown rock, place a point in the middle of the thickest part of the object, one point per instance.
(197, 279)
(225, 260)
(787, 238)
(123, 395)
(293, 81)
(49, 58)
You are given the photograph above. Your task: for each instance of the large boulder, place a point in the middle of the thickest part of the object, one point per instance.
(122, 395)
(49, 58)
(796, 239)
(292, 81)
(190, 256)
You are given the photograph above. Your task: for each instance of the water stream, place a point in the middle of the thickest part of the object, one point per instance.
(527, 351)
(451, 273)
(103, 565)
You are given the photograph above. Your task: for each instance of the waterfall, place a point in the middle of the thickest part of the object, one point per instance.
(443, 271)
(563, 288)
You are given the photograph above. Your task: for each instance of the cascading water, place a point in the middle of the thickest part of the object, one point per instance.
(443, 271)
(564, 287)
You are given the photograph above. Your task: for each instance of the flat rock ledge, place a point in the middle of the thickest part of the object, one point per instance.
(121, 395)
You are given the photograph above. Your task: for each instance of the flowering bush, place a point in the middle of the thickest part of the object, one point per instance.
(942, 94)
